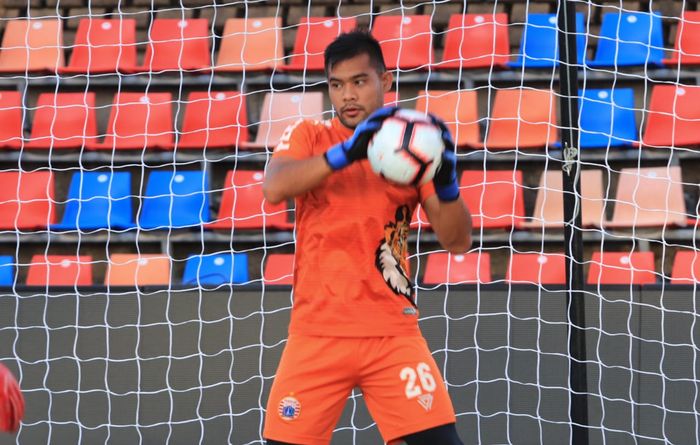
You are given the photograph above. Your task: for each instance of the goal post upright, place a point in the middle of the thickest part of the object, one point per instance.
(573, 237)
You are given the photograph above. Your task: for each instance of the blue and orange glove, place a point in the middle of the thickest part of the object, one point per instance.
(355, 148)
(445, 179)
(11, 401)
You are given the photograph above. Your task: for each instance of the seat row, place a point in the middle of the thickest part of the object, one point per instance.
(470, 41)
(440, 268)
(645, 197)
(520, 118)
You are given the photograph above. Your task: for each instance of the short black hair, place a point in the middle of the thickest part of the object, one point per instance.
(352, 44)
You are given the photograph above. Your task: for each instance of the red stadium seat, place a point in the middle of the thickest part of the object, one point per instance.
(279, 111)
(64, 120)
(537, 268)
(32, 45)
(522, 118)
(459, 111)
(11, 110)
(139, 121)
(178, 44)
(26, 200)
(445, 268)
(494, 197)
(279, 269)
(60, 270)
(138, 269)
(244, 207)
(103, 46)
(214, 119)
(391, 98)
(313, 35)
(476, 41)
(673, 118)
(687, 47)
(649, 197)
(406, 40)
(549, 204)
(621, 268)
(253, 44)
(686, 267)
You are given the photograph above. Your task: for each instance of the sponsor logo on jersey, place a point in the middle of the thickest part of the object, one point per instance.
(392, 254)
(410, 311)
(289, 408)
(426, 401)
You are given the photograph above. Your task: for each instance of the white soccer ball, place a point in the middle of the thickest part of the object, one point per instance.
(406, 149)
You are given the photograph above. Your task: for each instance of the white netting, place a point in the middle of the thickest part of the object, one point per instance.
(145, 283)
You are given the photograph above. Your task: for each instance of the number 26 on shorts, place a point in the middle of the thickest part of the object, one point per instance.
(417, 380)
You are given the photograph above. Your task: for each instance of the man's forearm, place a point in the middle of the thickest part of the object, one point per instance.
(288, 178)
(453, 226)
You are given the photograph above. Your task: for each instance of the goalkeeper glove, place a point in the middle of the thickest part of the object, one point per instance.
(11, 401)
(355, 148)
(445, 179)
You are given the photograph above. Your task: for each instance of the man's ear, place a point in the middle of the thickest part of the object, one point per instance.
(387, 81)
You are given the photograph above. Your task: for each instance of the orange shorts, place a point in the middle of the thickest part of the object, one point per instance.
(401, 384)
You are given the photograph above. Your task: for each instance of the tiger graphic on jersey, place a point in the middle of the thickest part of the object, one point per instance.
(392, 254)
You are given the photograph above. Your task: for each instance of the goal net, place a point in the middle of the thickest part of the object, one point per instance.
(145, 284)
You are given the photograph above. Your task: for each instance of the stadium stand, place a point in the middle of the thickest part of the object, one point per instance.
(686, 267)
(103, 46)
(406, 40)
(7, 270)
(621, 268)
(32, 46)
(496, 197)
(216, 269)
(278, 269)
(686, 50)
(312, 36)
(444, 268)
(214, 119)
(608, 118)
(475, 41)
(11, 112)
(175, 199)
(64, 120)
(631, 38)
(538, 47)
(673, 119)
(26, 200)
(459, 111)
(546, 268)
(251, 44)
(132, 270)
(60, 270)
(522, 118)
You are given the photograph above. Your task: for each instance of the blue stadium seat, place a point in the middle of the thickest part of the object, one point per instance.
(215, 269)
(98, 200)
(7, 270)
(629, 38)
(175, 200)
(538, 46)
(607, 118)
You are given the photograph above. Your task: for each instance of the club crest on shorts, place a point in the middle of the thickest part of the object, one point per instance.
(289, 408)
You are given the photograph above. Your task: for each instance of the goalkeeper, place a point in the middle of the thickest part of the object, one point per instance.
(11, 401)
(354, 321)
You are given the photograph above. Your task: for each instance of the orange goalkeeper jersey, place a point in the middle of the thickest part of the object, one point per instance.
(351, 271)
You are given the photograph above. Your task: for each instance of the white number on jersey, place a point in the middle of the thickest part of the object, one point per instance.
(423, 376)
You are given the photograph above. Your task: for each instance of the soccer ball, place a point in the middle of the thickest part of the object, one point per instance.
(406, 149)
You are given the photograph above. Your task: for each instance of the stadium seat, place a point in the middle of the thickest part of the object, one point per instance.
(312, 37)
(177, 44)
(537, 268)
(103, 46)
(60, 270)
(26, 200)
(607, 118)
(522, 118)
(216, 269)
(11, 110)
(686, 267)
(138, 269)
(445, 268)
(621, 268)
(279, 269)
(649, 197)
(549, 204)
(629, 38)
(7, 270)
(279, 110)
(494, 197)
(139, 121)
(214, 119)
(673, 117)
(64, 120)
(687, 47)
(175, 200)
(244, 207)
(459, 111)
(32, 45)
(406, 40)
(253, 44)
(98, 200)
(392, 98)
(539, 47)
(475, 41)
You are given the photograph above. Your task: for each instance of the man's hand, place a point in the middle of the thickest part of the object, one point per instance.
(355, 148)
(445, 179)
(11, 401)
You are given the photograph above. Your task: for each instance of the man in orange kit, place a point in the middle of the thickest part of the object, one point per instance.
(354, 321)
(11, 401)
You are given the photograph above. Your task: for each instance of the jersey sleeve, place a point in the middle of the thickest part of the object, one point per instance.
(296, 141)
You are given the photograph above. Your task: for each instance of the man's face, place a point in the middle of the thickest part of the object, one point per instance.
(356, 89)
